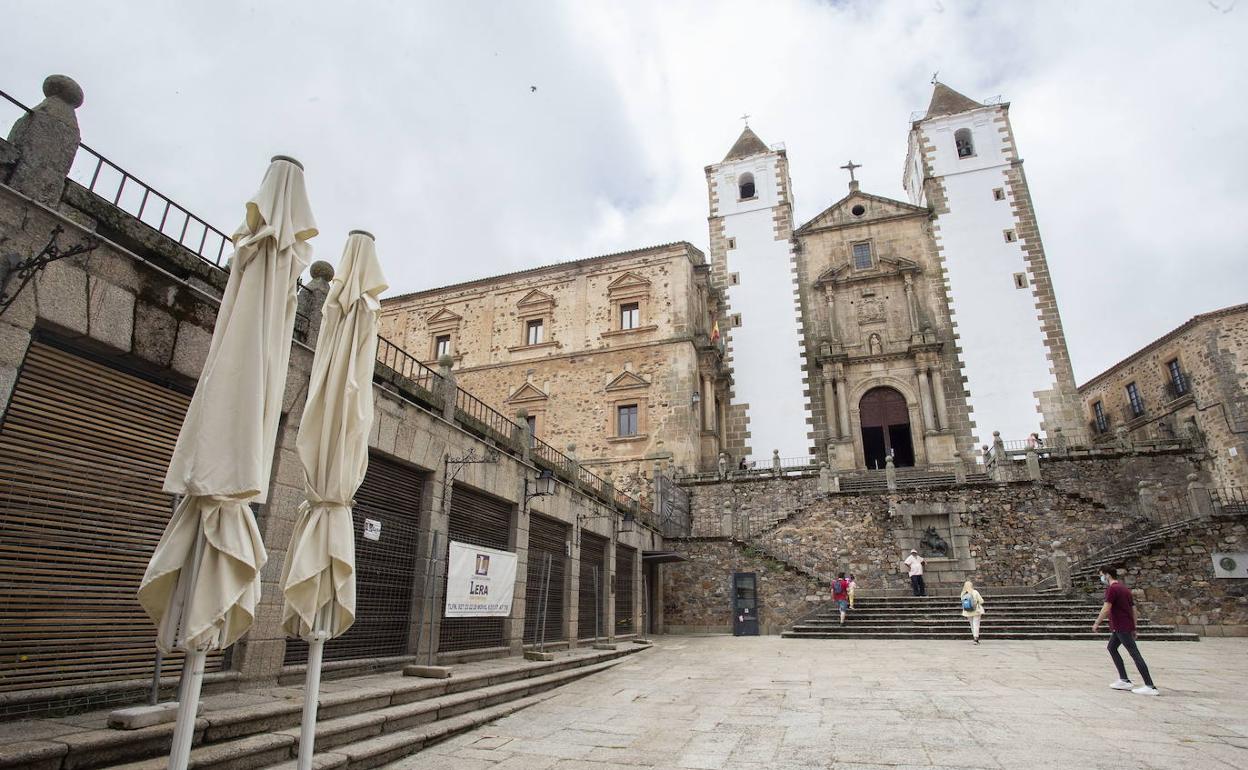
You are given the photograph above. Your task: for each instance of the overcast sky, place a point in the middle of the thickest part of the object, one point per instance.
(419, 122)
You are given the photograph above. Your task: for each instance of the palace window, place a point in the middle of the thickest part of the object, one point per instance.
(535, 332)
(745, 186)
(1178, 380)
(965, 144)
(441, 345)
(630, 315)
(1136, 402)
(1098, 411)
(626, 420)
(862, 255)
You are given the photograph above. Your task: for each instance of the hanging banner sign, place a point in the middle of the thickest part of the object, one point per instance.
(480, 582)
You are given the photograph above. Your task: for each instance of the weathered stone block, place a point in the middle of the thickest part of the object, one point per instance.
(61, 291)
(110, 314)
(191, 350)
(155, 333)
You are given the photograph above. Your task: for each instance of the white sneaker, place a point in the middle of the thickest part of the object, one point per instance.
(1122, 684)
(1145, 690)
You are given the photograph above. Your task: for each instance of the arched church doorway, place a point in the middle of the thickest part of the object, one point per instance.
(885, 422)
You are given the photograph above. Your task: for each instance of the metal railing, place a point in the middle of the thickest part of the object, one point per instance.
(114, 184)
(1176, 389)
(497, 425)
(1229, 501)
(406, 365)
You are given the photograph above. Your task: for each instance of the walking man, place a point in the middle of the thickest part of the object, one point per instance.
(915, 563)
(1119, 607)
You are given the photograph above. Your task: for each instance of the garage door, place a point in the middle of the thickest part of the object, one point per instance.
(384, 568)
(478, 519)
(83, 452)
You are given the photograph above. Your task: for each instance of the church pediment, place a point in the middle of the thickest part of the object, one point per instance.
(627, 380)
(443, 317)
(885, 266)
(858, 208)
(527, 392)
(535, 300)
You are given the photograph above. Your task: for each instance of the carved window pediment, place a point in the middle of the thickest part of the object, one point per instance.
(628, 285)
(443, 318)
(535, 302)
(526, 393)
(626, 381)
(885, 267)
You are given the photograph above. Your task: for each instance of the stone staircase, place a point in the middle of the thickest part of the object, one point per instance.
(940, 617)
(907, 479)
(362, 723)
(1084, 573)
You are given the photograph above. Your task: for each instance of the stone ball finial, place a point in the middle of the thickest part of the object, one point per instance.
(446, 360)
(996, 434)
(571, 447)
(65, 88)
(322, 270)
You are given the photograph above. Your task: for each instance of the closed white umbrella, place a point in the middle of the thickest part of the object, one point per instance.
(318, 576)
(203, 581)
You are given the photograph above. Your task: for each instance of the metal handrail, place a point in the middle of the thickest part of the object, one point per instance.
(495, 422)
(406, 365)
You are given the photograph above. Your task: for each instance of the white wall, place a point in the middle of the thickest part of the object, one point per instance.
(766, 349)
(1003, 351)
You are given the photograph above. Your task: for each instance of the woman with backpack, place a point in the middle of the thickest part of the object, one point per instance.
(972, 607)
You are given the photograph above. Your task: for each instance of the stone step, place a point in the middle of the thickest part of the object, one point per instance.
(388, 730)
(933, 619)
(264, 734)
(963, 623)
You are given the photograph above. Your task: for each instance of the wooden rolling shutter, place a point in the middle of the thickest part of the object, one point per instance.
(384, 568)
(83, 453)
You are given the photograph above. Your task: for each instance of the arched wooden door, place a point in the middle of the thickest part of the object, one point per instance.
(885, 420)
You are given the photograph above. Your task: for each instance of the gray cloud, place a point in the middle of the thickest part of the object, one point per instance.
(417, 121)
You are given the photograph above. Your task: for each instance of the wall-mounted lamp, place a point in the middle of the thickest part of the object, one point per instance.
(542, 486)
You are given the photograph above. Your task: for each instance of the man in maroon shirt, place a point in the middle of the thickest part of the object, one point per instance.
(1119, 607)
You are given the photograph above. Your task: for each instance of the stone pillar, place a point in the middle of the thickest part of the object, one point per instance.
(925, 402)
(520, 434)
(999, 460)
(723, 465)
(312, 299)
(1198, 497)
(959, 469)
(832, 332)
(1033, 464)
(825, 479)
(47, 139)
(1059, 441)
(890, 474)
(708, 403)
(842, 405)
(1061, 568)
(910, 310)
(775, 463)
(829, 405)
(446, 387)
(938, 386)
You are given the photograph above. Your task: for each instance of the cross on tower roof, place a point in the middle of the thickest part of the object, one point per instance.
(850, 166)
(746, 119)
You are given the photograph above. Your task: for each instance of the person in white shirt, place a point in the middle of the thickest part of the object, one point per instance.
(915, 564)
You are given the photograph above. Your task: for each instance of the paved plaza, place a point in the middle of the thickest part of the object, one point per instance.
(763, 702)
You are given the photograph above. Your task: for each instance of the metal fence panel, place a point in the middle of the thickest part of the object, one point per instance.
(625, 564)
(384, 568)
(591, 611)
(545, 592)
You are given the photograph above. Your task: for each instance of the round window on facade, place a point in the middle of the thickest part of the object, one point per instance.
(858, 210)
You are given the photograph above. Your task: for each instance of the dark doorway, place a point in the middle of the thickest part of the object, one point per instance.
(885, 422)
(744, 604)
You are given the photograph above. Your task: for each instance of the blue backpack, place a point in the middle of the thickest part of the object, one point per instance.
(968, 602)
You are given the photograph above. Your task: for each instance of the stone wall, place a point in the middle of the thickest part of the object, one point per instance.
(698, 593)
(1212, 353)
(586, 365)
(1174, 582)
(1113, 480)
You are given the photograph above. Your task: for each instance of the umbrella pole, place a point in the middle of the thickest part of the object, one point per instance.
(312, 689)
(192, 667)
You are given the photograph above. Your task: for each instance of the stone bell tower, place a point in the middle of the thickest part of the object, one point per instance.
(964, 164)
(751, 225)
